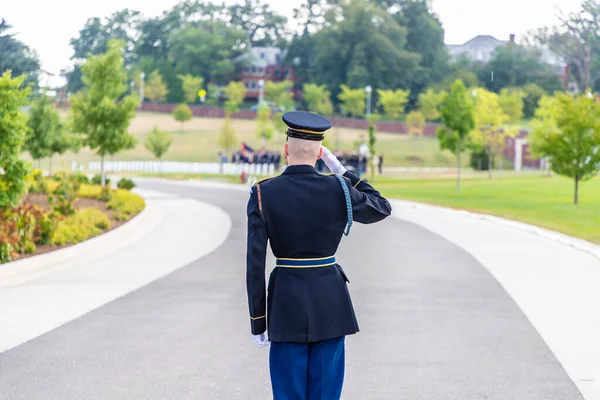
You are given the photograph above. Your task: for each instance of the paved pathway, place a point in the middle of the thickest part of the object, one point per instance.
(435, 324)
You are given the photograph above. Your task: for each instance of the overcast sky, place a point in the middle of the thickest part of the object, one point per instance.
(48, 25)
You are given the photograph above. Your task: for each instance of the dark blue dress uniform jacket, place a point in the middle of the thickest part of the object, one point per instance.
(305, 215)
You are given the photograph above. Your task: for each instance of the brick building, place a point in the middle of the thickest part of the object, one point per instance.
(264, 63)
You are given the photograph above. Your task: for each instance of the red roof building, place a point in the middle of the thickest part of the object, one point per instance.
(266, 64)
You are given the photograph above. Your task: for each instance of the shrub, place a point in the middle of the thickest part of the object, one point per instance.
(79, 227)
(125, 204)
(90, 191)
(63, 197)
(126, 184)
(81, 178)
(38, 183)
(21, 228)
(97, 180)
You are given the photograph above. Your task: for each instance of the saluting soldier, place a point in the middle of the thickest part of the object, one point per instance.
(306, 308)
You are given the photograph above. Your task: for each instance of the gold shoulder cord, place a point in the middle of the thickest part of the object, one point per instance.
(260, 207)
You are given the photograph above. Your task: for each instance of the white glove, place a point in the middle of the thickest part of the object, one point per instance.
(332, 162)
(260, 340)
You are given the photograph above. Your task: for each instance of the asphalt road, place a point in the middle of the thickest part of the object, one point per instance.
(434, 325)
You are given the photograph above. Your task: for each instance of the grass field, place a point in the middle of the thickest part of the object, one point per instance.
(543, 201)
(198, 142)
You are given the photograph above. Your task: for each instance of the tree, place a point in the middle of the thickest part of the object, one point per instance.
(17, 57)
(372, 141)
(47, 134)
(489, 119)
(393, 102)
(235, 93)
(577, 41)
(317, 99)
(191, 86)
(208, 49)
(353, 101)
(227, 138)
(155, 89)
(95, 111)
(280, 93)
(511, 104)
(362, 44)
(44, 125)
(213, 94)
(158, 142)
(182, 113)
(263, 26)
(457, 116)
(282, 96)
(264, 126)
(569, 137)
(13, 131)
(415, 122)
(425, 36)
(514, 66)
(429, 104)
(94, 37)
(533, 94)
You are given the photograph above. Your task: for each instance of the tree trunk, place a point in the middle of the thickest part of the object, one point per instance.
(102, 178)
(458, 172)
(182, 127)
(50, 166)
(576, 200)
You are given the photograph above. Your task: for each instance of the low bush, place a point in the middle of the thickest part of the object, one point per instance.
(90, 191)
(79, 227)
(125, 204)
(37, 183)
(81, 178)
(126, 184)
(97, 180)
(22, 228)
(65, 194)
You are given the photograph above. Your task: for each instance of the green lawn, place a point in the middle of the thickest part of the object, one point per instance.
(198, 142)
(542, 201)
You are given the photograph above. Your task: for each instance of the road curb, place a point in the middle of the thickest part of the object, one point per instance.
(32, 267)
(566, 240)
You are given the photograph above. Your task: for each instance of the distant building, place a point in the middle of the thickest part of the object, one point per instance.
(264, 63)
(480, 48)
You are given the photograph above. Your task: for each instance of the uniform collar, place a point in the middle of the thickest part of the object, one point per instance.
(300, 169)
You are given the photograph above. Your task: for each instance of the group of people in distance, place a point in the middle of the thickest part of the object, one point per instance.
(355, 161)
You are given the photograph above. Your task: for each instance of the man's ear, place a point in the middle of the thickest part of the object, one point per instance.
(320, 153)
(286, 150)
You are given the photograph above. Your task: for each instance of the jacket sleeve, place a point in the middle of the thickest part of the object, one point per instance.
(255, 266)
(368, 206)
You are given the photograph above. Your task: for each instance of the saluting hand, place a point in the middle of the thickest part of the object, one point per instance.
(332, 162)
(260, 340)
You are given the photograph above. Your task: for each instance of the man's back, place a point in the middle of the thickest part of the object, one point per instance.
(305, 213)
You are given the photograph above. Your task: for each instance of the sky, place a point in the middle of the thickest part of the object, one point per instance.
(48, 25)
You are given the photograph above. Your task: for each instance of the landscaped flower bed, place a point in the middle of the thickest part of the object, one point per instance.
(62, 211)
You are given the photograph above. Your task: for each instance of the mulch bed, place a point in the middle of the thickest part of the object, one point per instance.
(41, 201)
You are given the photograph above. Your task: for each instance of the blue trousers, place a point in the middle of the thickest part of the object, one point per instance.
(307, 371)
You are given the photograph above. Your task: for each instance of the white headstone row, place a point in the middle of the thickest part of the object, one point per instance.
(173, 167)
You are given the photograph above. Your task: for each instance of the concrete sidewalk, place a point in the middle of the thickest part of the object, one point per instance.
(553, 279)
(40, 294)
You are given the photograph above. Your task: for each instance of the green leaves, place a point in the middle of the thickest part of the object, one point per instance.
(353, 101)
(156, 90)
(317, 98)
(567, 131)
(235, 93)
(393, 102)
(95, 112)
(191, 86)
(158, 142)
(13, 131)
(457, 115)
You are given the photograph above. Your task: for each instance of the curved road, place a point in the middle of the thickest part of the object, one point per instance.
(434, 325)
